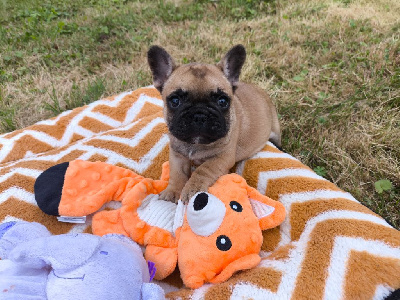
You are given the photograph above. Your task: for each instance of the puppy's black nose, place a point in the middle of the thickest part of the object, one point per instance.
(200, 202)
(199, 118)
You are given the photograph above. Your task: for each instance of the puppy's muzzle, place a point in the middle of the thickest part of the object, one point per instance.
(199, 119)
(199, 126)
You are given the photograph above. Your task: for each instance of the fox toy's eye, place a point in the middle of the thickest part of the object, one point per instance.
(174, 102)
(223, 102)
(223, 243)
(205, 213)
(236, 206)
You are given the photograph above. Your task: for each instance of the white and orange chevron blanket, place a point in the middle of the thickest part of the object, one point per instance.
(329, 247)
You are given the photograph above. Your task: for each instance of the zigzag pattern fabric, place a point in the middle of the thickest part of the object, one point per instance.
(329, 247)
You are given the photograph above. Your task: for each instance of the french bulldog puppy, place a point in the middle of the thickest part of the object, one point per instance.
(213, 119)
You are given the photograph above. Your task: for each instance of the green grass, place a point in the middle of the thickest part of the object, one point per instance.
(331, 66)
(78, 96)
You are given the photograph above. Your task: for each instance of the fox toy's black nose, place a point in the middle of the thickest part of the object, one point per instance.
(200, 202)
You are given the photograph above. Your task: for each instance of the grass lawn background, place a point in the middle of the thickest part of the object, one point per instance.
(331, 67)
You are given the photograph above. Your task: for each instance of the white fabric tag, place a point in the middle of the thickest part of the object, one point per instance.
(76, 220)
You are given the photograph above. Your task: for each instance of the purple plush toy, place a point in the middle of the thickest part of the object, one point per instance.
(37, 265)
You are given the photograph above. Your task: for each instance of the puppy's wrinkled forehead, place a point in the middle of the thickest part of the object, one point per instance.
(198, 79)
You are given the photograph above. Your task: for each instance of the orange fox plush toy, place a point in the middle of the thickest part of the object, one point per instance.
(216, 234)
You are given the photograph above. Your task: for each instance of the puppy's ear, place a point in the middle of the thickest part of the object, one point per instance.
(161, 65)
(232, 63)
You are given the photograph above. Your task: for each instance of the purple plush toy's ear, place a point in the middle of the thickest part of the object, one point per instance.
(5, 227)
(13, 234)
(49, 251)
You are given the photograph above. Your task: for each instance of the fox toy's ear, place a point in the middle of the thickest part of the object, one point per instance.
(270, 213)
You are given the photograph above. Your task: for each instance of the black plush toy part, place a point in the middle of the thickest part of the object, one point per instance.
(394, 296)
(48, 188)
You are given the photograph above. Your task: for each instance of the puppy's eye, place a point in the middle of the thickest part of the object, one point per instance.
(174, 102)
(223, 102)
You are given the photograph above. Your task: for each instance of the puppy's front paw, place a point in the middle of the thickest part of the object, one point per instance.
(170, 194)
(189, 191)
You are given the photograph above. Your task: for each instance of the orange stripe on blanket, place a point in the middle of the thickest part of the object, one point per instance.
(19, 209)
(97, 157)
(76, 137)
(253, 167)
(154, 170)
(148, 110)
(25, 144)
(265, 278)
(58, 129)
(40, 165)
(119, 112)
(137, 152)
(94, 125)
(300, 213)
(271, 239)
(133, 130)
(281, 253)
(269, 148)
(297, 184)
(151, 92)
(182, 294)
(366, 271)
(75, 154)
(88, 230)
(21, 181)
(314, 269)
(14, 133)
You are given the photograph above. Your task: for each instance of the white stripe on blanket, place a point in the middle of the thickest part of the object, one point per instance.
(340, 255)
(291, 268)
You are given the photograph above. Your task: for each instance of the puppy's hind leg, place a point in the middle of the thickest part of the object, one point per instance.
(275, 135)
(275, 138)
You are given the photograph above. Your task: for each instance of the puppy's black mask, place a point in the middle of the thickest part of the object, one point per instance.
(198, 118)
